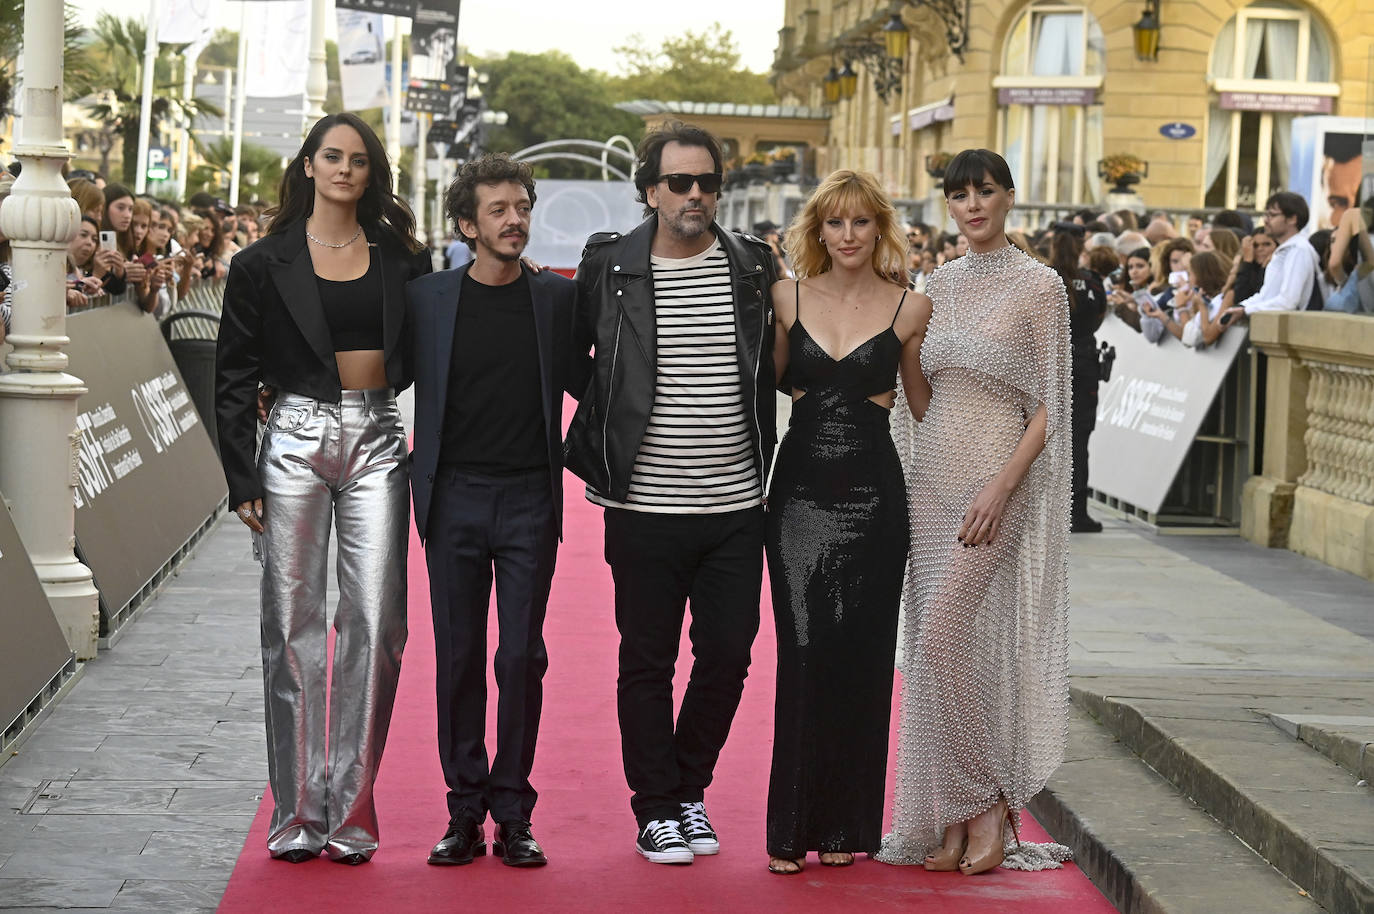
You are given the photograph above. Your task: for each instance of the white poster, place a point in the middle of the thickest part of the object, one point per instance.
(279, 52)
(1150, 411)
(187, 21)
(362, 59)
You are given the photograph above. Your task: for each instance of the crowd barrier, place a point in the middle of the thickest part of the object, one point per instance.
(1173, 443)
(149, 481)
(35, 661)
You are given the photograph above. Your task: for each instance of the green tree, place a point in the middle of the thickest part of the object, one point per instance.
(259, 167)
(76, 66)
(696, 67)
(549, 97)
(117, 55)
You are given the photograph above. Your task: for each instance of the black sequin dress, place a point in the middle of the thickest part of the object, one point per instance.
(836, 538)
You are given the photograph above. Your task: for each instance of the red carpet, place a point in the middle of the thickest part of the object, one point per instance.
(583, 818)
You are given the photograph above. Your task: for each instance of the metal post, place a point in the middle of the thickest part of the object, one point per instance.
(317, 81)
(420, 181)
(145, 111)
(393, 132)
(38, 455)
(188, 87)
(240, 105)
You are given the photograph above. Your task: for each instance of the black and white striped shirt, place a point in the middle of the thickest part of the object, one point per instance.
(697, 456)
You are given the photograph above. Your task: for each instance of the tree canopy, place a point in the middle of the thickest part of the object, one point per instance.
(696, 67)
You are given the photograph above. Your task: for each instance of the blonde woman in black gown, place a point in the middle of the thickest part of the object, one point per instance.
(836, 528)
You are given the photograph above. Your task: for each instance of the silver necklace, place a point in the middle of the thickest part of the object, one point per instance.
(328, 244)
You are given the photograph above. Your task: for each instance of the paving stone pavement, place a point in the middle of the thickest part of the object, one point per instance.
(136, 793)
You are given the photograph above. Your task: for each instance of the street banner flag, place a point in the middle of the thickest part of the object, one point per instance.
(279, 54)
(403, 8)
(362, 59)
(434, 40)
(187, 21)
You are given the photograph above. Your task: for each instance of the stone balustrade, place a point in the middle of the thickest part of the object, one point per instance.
(1315, 494)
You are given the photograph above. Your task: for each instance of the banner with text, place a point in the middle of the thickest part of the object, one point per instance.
(32, 647)
(362, 59)
(434, 40)
(279, 54)
(147, 476)
(1150, 411)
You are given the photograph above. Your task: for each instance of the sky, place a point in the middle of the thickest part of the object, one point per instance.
(587, 30)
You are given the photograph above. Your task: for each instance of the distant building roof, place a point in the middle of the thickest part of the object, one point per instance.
(643, 106)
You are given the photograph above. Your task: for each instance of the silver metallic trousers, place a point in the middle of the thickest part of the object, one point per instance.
(348, 460)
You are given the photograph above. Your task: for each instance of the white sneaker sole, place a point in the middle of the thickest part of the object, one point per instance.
(704, 847)
(678, 857)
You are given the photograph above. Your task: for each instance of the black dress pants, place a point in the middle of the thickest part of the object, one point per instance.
(659, 563)
(1084, 420)
(479, 524)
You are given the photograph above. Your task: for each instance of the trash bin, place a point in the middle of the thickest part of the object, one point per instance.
(194, 354)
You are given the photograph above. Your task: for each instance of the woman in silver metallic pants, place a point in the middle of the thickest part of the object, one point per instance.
(313, 319)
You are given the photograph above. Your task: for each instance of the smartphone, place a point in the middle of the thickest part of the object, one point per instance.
(1143, 298)
(1178, 278)
(1227, 318)
(108, 242)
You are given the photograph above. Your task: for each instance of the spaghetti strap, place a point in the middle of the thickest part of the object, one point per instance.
(796, 284)
(898, 311)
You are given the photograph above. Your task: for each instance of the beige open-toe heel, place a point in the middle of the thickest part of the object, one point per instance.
(988, 856)
(946, 859)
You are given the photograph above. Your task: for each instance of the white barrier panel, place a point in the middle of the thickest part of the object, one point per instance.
(567, 212)
(1150, 411)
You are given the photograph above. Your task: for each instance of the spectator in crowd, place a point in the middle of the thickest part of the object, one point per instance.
(960, 245)
(924, 260)
(1247, 272)
(1291, 275)
(155, 278)
(85, 270)
(1160, 229)
(89, 198)
(1100, 240)
(1196, 223)
(1130, 222)
(169, 251)
(918, 235)
(246, 218)
(1102, 262)
(1128, 242)
(1127, 298)
(948, 246)
(1352, 244)
(768, 231)
(119, 215)
(1199, 301)
(457, 253)
(6, 275)
(1325, 285)
(1223, 241)
(215, 248)
(1229, 218)
(1170, 266)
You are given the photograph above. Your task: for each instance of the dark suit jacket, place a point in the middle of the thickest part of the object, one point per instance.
(433, 303)
(273, 331)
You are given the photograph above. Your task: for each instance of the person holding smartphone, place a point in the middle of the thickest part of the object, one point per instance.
(1174, 256)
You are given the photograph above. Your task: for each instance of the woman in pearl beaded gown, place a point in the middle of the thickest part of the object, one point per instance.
(984, 711)
(836, 527)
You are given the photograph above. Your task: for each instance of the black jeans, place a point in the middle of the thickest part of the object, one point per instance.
(476, 524)
(659, 562)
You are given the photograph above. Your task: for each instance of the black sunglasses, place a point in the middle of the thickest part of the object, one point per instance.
(680, 184)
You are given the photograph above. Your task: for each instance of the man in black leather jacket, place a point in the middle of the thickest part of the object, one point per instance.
(674, 436)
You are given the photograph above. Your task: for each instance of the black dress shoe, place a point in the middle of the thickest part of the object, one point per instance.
(297, 855)
(516, 845)
(461, 843)
(1085, 525)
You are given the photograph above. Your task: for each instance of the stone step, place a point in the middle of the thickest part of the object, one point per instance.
(1347, 740)
(1303, 814)
(1149, 849)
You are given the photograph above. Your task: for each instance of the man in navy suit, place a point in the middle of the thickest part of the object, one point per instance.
(492, 356)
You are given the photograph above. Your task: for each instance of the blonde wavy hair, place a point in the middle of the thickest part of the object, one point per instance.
(841, 193)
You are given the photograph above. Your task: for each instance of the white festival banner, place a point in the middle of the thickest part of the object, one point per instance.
(1151, 410)
(279, 52)
(362, 59)
(187, 21)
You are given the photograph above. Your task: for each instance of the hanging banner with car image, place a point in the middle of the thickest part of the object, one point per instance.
(147, 476)
(362, 59)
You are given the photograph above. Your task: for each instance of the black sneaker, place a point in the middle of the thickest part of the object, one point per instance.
(696, 828)
(661, 841)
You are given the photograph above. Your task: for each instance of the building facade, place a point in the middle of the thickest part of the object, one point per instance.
(1058, 86)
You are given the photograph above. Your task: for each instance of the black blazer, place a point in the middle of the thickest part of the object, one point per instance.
(273, 331)
(432, 313)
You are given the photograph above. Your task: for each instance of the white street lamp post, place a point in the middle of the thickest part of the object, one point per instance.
(317, 79)
(38, 452)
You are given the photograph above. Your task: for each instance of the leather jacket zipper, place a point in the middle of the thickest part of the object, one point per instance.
(610, 386)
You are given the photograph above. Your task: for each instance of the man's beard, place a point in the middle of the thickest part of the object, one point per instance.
(504, 255)
(684, 229)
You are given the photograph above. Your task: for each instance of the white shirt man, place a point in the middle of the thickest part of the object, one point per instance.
(1293, 269)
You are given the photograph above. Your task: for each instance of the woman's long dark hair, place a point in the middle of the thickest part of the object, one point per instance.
(1065, 248)
(124, 239)
(378, 206)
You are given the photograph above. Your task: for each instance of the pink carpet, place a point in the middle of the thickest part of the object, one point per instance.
(583, 818)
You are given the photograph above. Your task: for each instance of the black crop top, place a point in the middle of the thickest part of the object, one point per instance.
(353, 309)
(867, 370)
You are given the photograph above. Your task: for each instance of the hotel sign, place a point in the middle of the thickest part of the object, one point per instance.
(1046, 95)
(1277, 102)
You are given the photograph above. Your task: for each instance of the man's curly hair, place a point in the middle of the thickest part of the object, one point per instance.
(460, 200)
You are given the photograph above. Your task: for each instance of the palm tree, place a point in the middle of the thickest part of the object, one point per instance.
(259, 167)
(117, 52)
(76, 71)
